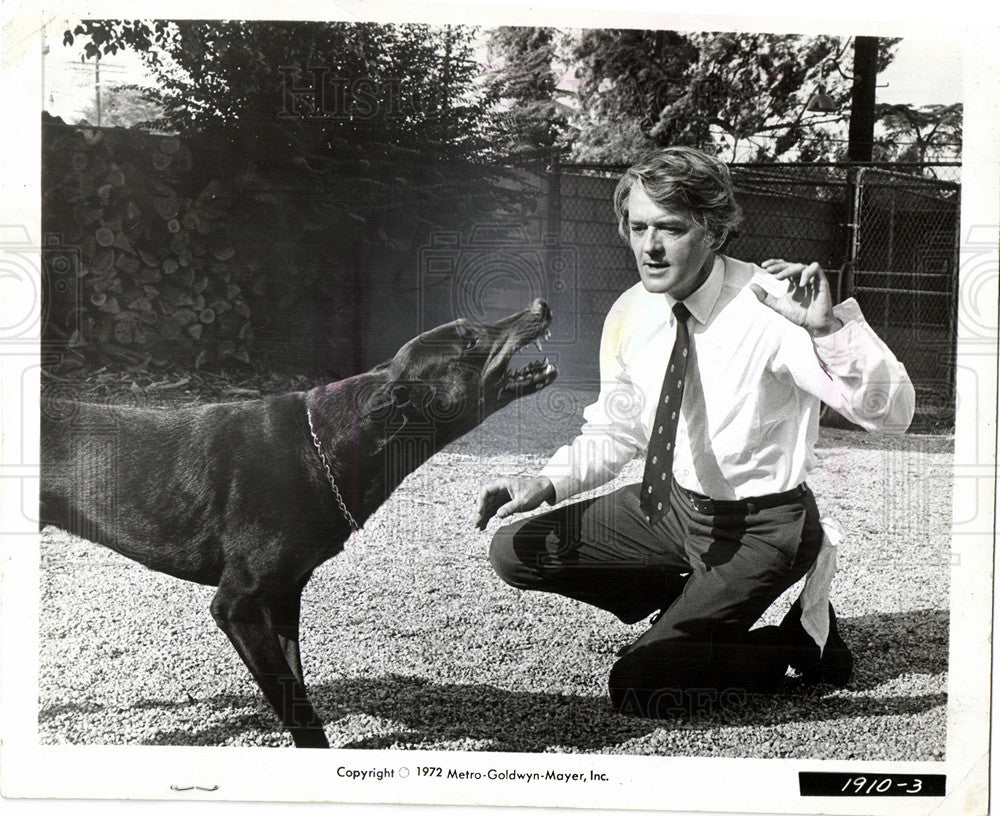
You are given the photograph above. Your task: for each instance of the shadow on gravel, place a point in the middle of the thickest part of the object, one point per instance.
(423, 714)
(481, 717)
(54, 712)
(889, 645)
(426, 714)
(886, 647)
(224, 732)
(492, 719)
(535, 425)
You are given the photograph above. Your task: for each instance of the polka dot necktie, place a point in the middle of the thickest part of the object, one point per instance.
(656, 478)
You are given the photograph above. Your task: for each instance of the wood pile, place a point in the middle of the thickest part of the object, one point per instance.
(158, 275)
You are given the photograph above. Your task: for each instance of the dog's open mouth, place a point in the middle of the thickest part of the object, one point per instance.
(533, 376)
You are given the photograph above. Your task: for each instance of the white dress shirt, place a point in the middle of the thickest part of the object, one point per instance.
(750, 412)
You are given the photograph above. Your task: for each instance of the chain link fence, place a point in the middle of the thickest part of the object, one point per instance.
(887, 235)
(905, 278)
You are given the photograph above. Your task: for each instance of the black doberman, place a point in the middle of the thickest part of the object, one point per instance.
(252, 496)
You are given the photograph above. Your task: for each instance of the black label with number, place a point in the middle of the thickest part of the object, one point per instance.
(814, 783)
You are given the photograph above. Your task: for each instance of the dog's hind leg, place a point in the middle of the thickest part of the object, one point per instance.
(246, 616)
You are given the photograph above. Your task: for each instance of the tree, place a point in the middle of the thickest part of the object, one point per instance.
(926, 134)
(740, 93)
(394, 116)
(530, 118)
(307, 86)
(625, 78)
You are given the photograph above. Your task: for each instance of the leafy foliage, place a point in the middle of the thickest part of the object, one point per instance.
(305, 86)
(531, 119)
(633, 90)
(110, 36)
(330, 139)
(712, 90)
(393, 115)
(926, 134)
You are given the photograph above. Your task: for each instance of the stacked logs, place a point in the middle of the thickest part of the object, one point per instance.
(157, 278)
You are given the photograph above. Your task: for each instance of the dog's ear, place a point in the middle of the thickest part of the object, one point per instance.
(377, 401)
(400, 394)
(386, 398)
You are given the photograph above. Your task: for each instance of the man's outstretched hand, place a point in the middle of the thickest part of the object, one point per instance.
(513, 494)
(807, 303)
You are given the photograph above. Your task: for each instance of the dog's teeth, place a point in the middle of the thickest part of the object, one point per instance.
(548, 334)
(538, 344)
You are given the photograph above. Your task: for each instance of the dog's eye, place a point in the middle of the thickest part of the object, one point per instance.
(467, 337)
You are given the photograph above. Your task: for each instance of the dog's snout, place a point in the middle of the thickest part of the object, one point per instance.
(541, 308)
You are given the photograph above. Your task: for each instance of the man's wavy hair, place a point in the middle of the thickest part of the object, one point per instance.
(686, 179)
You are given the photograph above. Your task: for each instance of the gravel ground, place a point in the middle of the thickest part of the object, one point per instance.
(410, 641)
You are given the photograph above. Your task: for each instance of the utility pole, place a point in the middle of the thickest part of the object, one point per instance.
(860, 142)
(861, 132)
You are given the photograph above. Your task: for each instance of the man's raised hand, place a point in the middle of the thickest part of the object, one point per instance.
(513, 494)
(807, 303)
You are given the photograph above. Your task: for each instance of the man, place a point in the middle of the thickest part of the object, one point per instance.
(714, 368)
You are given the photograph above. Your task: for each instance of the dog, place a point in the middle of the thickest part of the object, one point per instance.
(252, 496)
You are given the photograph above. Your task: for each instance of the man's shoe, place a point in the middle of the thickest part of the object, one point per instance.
(834, 666)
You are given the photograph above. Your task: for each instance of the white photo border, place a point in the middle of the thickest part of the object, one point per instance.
(674, 784)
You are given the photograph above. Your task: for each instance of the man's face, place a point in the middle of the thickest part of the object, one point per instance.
(674, 255)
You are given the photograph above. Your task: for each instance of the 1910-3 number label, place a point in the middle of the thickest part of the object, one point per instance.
(855, 784)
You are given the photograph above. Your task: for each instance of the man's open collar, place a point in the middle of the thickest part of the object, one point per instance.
(702, 300)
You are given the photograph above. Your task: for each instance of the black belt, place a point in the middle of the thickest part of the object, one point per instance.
(746, 507)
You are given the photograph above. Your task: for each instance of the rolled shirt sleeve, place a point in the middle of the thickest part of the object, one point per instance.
(857, 374)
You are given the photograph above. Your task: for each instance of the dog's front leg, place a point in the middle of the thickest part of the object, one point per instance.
(285, 614)
(247, 618)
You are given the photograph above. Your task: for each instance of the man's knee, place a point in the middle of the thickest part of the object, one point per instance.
(504, 559)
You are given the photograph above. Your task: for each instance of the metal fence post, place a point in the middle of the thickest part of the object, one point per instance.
(856, 176)
(553, 225)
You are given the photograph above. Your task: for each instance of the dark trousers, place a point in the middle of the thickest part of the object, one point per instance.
(713, 575)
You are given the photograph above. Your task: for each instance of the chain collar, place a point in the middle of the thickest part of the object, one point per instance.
(329, 474)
